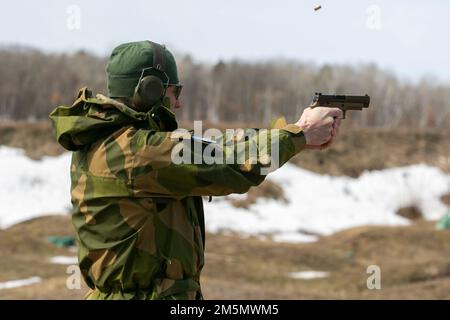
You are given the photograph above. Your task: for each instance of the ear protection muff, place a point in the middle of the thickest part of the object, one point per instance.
(148, 92)
(151, 89)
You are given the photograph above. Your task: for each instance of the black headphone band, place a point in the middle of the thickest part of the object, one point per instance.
(150, 88)
(158, 56)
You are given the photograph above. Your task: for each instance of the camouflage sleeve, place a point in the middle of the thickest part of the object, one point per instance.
(178, 164)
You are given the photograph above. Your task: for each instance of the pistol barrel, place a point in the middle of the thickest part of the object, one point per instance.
(343, 102)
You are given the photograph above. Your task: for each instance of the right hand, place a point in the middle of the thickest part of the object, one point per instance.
(320, 125)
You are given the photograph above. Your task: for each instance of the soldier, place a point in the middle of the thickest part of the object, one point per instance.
(138, 215)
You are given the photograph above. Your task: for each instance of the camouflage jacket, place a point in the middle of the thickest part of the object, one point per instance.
(138, 216)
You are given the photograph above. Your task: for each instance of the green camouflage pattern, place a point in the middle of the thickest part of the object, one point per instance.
(138, 216)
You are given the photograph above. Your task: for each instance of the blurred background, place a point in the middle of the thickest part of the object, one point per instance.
(317, 228)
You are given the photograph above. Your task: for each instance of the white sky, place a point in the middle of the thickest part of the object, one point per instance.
(411, 42)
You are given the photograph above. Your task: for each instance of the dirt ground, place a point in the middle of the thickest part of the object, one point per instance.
(414, 260)
(414, 263)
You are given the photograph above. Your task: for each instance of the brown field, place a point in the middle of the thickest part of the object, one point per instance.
(414, 260)
(414, 264)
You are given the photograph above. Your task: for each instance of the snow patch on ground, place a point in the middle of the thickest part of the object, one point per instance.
(19, 283)
(322, 205)
(64, 260)
(309, 275)
(318, 204)
(30, 188)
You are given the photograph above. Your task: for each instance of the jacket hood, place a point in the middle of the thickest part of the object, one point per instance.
(89, 119)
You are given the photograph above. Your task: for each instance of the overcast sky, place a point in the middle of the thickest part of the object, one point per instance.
(409, 37)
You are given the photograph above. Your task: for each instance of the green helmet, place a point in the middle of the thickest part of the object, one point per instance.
(127, 62)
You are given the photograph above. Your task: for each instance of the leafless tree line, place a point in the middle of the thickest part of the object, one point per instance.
(32, 83)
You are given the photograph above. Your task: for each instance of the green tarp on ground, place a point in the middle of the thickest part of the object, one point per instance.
(444, 222)
(62, 241)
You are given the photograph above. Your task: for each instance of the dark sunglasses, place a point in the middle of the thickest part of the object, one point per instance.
(177, 90)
